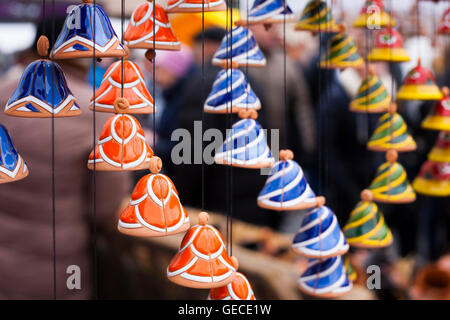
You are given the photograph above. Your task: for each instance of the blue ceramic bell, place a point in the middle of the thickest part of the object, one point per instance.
(286, 188)
(325, 278)
(244, 51)
(246, 144)
(87, 26)
(268, 12)
(231, 85)
(320, 235)
(41, 92)
(12, 166)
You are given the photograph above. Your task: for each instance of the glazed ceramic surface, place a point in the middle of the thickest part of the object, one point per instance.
(342, 53)
(374, 12)
(350, 271)
(433, 179)
(238, 289)
(444, 25)
(143, 33)
(180, 6)
(441, 149)
(391, 132)
(286, 188)
(320, 235)
(121, 146)
(316, 16)
(245, 50)
(439, 118)
(372, 96)
(231, 93)
(245, 146)
(42, 92)
(391, 184)
(388, 47)
(366, 227)
(325, 278)
(12, 166)
(154, 209)
(419, 84)
(76, 39)
(268, 12)
(202, 261)
(134, 89)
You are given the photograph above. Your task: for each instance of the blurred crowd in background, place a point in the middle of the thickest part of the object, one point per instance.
(328, 140)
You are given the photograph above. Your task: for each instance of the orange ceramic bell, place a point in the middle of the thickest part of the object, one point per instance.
(373, 15)
(419, 84)
(87, 31)
(142, 33)
(155, 209)
(180, 6)
(238, 289)
(439, 118)
(134, 89)
(12, 166)
(388, 47)
(441, 149)
(444, 25)
(122, 144)
(202, 261)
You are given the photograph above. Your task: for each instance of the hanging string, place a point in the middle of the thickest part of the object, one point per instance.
(154, 76)
(122, 20)
(53, 160)
(227, 179)
(285, 95)
(94, 192)
(230, 123)
(203, 94)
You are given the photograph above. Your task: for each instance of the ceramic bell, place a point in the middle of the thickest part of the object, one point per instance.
(202, 261)
(12, 166)
(141, 31)
(444, 25)
(372, 96)
(268, 12)
(316, 16)
(325, 278)
(122, 144)
(349, 270)
(391, 184)
(134, 89)
(42, 91)
(388, 47)
(191, 6)
(439, 118)
(373, 14)
(238, 289)
(231, 93)
(342, 52)
(391, 132)
(85, 23)
(286, 188)
(441, 149)
(245, 145)
(433, 179)
(245, 51)
(155, 209)
(366, 227)
(419, 84)
(320, 235)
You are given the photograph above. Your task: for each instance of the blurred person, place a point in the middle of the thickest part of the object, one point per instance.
(26, 250)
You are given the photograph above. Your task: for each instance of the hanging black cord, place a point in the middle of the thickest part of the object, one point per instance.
(154, 75)
(285, 94)
(122, 20)
(319, 99)
(227, 178)
(203, 94)
(230, 126)
(53, 159)
(94, 192)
